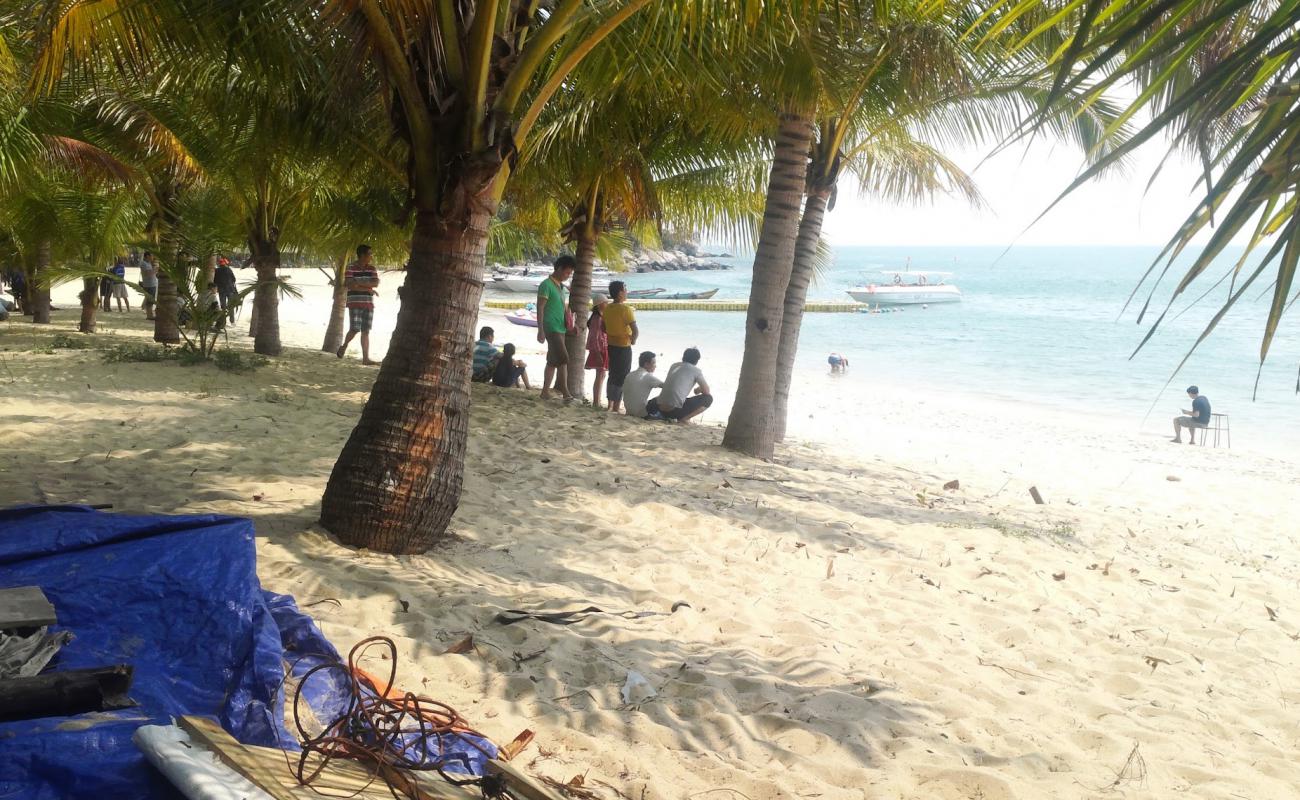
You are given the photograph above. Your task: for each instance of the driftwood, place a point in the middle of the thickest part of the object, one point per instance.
(60, 694)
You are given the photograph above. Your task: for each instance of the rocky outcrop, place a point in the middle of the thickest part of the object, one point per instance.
(647, 260)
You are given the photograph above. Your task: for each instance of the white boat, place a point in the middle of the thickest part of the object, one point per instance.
(908, 288)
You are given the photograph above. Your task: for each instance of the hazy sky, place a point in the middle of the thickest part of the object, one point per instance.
(1018, 185)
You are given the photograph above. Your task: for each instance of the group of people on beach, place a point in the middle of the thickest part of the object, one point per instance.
(612, 333)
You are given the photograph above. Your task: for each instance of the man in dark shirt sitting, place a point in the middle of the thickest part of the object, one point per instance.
(1198, 417)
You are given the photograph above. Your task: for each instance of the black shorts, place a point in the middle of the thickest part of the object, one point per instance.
(692, 403)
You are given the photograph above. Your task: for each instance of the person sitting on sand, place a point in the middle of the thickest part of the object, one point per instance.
(597, 346)
(685, 394)
(640, 382)
(838, 362)
(509, 372)
(486, 355)
(361, 279)
(1197, 417)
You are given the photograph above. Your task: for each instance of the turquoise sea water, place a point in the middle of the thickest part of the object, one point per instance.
(1037, 324)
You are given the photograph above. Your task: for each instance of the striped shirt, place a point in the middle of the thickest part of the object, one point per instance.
(483, 352)
(364, 280)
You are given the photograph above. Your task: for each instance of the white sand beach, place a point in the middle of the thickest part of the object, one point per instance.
(845, 626)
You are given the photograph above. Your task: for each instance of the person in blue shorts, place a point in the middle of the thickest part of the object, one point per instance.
(1197, 417)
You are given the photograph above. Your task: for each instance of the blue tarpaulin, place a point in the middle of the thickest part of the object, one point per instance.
(179, 600)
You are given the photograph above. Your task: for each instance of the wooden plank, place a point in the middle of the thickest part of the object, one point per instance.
(521, 783)
(25, 607)
(268, 768)
(214, 737)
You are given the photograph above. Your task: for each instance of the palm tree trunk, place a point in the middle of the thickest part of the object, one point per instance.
(40, 290)
(397, 482)
(750, 427)
(796, 295)
(89, 304)
(339, 310)
(580, 305)
(266, 299)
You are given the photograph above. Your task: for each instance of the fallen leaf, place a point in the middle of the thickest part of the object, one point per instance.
(952, 484)
(1272, 614)
(463, 646)
(830, 566)
(1154, 662)
(1060, 576)
(257, 498)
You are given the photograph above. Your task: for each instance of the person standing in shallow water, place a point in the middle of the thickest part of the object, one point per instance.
(553, 324)
(361, 280)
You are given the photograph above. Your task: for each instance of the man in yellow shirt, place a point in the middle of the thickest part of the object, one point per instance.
(620, 326)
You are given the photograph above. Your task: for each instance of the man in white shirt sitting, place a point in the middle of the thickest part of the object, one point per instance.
(638, 385)
(685, 393)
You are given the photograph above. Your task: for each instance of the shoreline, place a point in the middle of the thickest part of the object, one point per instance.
(853, 629)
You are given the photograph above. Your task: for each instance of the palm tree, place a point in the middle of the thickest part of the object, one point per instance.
(617, 165)
(1219, 80)
(925, 87)
(469, 83)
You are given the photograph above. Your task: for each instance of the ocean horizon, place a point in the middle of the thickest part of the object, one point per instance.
(1039, 325)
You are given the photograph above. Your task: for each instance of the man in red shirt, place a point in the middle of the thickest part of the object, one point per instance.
(361, 280)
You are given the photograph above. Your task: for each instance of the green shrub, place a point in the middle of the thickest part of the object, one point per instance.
(235, 361)
(137, 353)
(63, 341)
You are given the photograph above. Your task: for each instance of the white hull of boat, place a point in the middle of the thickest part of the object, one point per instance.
(893, 295)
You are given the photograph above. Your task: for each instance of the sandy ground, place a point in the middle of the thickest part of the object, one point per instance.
(851, 629)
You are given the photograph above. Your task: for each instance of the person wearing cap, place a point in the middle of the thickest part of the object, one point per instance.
(227, 287)
(620, 326)
(1197, 417)
(597, 346)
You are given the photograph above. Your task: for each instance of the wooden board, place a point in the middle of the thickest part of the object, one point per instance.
(25, 607)
(268, 768)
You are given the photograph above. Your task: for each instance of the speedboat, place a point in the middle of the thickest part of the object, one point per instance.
(523, 316)
(908, 288)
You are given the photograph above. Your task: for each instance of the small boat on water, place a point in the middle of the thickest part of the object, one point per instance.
(642, 294)
(523, 316)
(908, 288)
(527, 284)
(706, 295)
